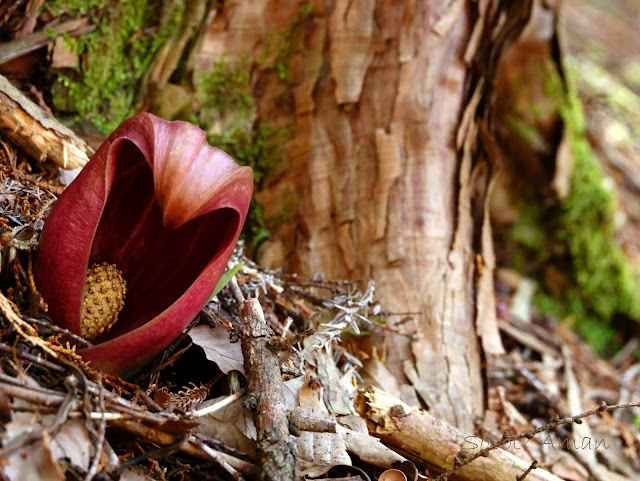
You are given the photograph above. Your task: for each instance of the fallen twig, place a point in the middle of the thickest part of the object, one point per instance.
(437, 443)
(23, 328)
(276, 451)
(29, 43)
(38, 134)
(448, 449)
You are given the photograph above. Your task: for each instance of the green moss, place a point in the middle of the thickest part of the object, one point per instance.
(605, 282)
(74, 7)
(225, 88)
(284, 45)
(115, 57)
(600, 335)
(578, 233)
(259, 148)
(227, 112)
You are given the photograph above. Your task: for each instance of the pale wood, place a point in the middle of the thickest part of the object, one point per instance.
(437, 443)
(36, 132)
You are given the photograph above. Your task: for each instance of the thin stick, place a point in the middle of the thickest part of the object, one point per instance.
(235, 290)
(95, 462)
(23, 328)
(509, 438)
(216, 456)
(216, 406)
(275, 450)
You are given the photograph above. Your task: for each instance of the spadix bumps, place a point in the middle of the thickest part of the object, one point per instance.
(103, 299)
(134, 247)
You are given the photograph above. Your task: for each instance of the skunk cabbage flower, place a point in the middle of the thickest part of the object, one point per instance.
(134, 247)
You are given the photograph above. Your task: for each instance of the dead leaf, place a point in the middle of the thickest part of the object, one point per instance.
(232, 424)
(291, 389)
(38, 461)
(308, 397)
(339, 392)
(35, 462)
(354, 423)
(318, 452)
(369, 449)
(135, 473)
(73, 442)
(218, 348)
(63, 56)
(376, 373)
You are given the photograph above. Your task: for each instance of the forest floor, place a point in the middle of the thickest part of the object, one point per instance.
(555, 410)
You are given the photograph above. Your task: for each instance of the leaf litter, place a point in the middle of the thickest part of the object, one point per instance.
(61, 419)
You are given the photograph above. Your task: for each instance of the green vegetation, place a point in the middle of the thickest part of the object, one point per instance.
(259, 148)
(227, 108)
(601, 270)
(225, 279)
(73, 7)
(225, 88)
(284, 45)
(604, 285)
(114, 57)
(580, 232)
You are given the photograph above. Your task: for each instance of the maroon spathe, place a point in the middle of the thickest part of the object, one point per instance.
(166, 209)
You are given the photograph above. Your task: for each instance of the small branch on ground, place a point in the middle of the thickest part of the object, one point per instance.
(276, 451)
(38, 134)
(438, 443)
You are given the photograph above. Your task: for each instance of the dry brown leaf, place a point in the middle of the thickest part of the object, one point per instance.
(135, 473)
(376, 373)
(73, 442)
(291, 389)
(218, 348)
(339, 392)
(233, 425)
(38, 461)
(63, 56)
(369, 449)
(35, 463)
(318, 452)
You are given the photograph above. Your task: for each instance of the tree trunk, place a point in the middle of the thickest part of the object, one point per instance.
(390, 104)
